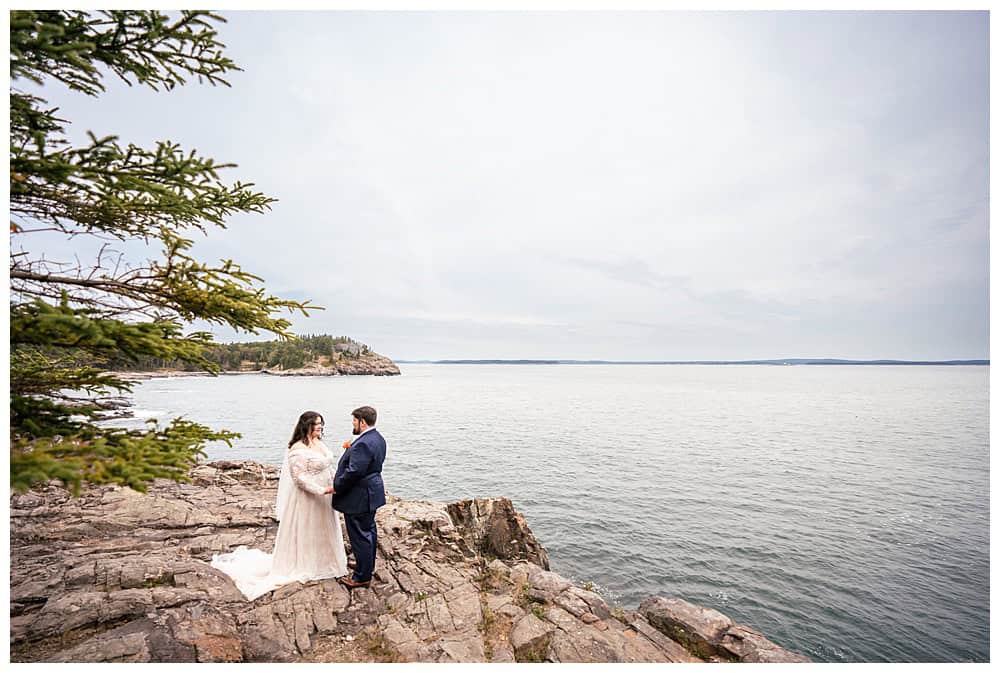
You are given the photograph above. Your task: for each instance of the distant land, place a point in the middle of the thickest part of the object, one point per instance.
(786, 361)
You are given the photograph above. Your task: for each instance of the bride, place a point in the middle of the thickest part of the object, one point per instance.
(309, 544)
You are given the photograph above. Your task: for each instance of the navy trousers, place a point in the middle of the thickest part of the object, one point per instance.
(363, 534)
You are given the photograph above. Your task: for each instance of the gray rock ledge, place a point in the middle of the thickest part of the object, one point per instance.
(117, 575)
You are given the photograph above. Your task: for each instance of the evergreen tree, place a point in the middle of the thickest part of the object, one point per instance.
(69, 319)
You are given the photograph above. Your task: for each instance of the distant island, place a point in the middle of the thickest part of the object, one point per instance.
(312, 355)
(786, 361)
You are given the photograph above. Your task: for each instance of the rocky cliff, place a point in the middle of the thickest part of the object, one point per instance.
(367, 363)
(117, 575)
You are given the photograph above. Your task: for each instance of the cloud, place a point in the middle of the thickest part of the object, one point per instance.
(678, 184)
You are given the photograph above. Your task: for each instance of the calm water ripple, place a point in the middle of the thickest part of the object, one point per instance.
(843, 511)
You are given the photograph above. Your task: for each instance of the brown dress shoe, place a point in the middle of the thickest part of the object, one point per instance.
(351, 584)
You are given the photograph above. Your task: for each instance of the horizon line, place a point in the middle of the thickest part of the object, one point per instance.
(768, 361)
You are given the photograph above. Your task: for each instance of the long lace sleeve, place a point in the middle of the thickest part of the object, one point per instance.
(304, 479)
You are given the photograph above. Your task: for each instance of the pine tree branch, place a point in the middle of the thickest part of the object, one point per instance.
(68, 322)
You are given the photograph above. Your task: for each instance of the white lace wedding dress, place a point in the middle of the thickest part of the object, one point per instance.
(309, 544)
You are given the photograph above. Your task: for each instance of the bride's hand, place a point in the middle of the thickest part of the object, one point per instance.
(329, 491)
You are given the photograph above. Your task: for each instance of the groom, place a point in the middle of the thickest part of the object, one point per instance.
(358, 491)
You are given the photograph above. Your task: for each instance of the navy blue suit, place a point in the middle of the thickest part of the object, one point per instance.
(359, 492)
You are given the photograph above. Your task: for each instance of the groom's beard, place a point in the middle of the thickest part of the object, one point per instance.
(356, 431)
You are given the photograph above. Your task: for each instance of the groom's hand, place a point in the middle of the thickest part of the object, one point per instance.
(329, 491)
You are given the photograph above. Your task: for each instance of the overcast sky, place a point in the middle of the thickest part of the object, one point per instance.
(646, 185)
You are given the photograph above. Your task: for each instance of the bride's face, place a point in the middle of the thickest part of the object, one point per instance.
(316, 429)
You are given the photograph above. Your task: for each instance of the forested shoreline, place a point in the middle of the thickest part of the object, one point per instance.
(296, 353)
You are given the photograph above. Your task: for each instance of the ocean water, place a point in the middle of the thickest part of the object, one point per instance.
(842, 511)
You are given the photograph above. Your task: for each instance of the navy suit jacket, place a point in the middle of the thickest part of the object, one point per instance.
(358, 482)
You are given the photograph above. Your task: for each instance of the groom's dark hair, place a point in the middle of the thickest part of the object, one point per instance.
(366, 414)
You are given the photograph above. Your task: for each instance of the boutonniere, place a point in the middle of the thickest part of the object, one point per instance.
(346, 445)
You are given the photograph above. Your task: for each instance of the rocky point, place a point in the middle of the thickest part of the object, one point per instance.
(118, 575)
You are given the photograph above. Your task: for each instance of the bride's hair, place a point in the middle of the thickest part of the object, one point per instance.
(303, 427)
